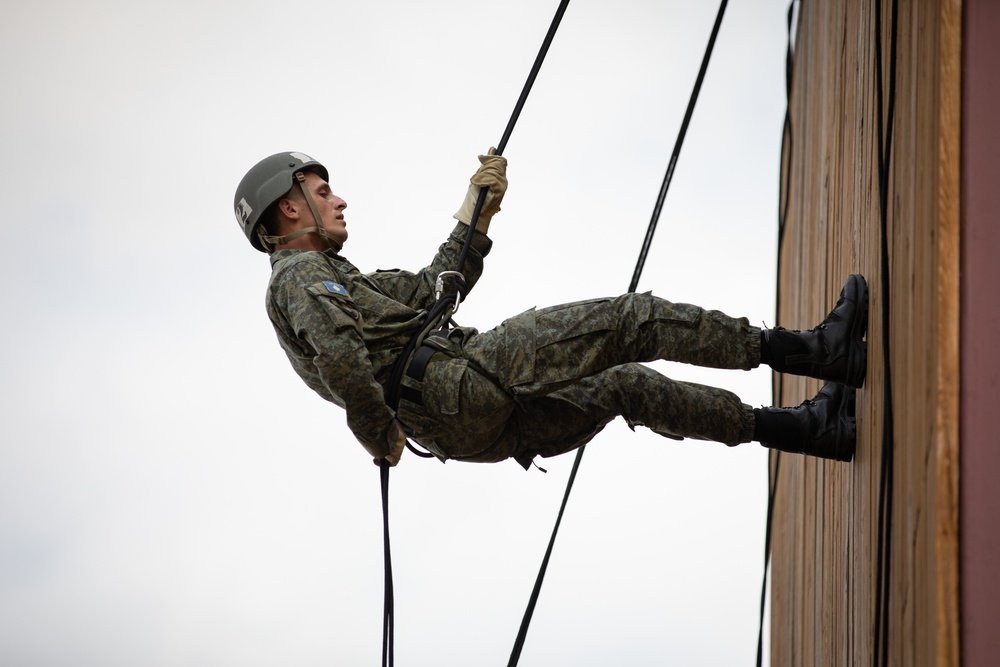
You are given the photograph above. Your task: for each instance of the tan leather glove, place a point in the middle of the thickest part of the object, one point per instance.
(492, 175)
(397, 443)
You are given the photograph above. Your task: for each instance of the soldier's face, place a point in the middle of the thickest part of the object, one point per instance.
(330, 207)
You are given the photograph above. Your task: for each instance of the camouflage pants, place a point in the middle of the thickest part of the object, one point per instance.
(547, 381)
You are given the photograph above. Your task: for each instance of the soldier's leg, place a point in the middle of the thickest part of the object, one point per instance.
(539, 351)
(465, 415)
(569, 417)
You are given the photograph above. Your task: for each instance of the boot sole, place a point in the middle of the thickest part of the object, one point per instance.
(857, 358)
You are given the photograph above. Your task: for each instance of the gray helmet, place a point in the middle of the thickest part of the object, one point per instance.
(268, 181)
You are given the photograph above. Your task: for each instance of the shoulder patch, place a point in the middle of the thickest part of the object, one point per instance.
(335, 288)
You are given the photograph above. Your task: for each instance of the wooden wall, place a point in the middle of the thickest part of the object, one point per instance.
(825, 540)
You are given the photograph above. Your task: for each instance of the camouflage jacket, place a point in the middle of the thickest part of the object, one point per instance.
(342, 329)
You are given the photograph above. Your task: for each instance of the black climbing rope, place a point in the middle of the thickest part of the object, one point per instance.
(387, 616)
(522, 631)
(777, 378)
(675, 155)
(885, 125)
(532, 75)
(439, 314)
(633, 285)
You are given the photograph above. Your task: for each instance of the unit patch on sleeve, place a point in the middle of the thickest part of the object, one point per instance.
(335, 288)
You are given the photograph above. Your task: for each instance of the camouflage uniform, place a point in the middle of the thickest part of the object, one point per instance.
(542, 383)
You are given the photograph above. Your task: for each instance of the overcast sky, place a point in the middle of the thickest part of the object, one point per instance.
(172, 494)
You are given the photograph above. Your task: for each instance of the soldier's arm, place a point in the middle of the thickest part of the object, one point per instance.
(327, 321)
(417, 289)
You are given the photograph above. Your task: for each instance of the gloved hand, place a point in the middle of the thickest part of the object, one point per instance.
(492, 175)
(397, 443)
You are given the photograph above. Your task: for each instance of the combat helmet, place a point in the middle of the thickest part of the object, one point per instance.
(268, 181)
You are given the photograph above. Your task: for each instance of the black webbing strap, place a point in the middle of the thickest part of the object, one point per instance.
(438, 312)
(415, 370)
(435, 317)
(661, 197)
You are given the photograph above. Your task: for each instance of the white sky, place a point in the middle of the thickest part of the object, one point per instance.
(172, 494)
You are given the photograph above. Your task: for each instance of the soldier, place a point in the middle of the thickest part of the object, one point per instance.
(543, 382)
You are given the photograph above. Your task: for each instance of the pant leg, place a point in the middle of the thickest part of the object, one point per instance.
(540, 351)
(487, 404)
(570, 417)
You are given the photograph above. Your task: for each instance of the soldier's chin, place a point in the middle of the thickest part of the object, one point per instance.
(338, 236)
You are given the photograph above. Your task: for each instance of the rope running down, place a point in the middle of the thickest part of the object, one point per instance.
(442, 311)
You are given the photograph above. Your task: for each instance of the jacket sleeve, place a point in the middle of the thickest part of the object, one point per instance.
(328, 323)
(417, 289)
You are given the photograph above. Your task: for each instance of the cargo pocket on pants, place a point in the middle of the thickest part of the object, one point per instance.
(443, 386)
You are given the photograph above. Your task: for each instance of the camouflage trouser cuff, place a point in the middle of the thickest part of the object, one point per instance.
(753, 344)
(746, 432)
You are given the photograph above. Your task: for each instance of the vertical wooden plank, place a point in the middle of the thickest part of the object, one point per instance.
(946, 432)
(824, 596)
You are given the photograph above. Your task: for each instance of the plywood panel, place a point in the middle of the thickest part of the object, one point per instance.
(825, 540)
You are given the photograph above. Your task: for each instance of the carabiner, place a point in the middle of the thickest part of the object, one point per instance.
(439, 287)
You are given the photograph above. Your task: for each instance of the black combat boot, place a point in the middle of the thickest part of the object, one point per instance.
(824, 426)
(835, 351)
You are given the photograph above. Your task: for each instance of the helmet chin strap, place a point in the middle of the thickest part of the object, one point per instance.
(331, 243)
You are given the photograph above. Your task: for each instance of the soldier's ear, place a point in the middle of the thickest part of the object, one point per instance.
(288, 208)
